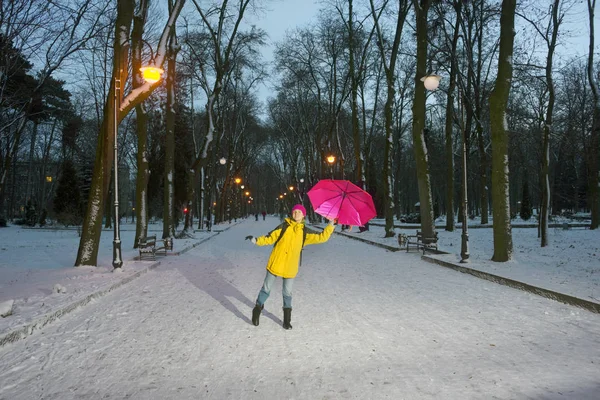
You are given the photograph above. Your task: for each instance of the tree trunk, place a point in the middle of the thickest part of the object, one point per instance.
(143, 173)
(169, 187)
(418, 126)
(92, 225)
(388, 207)
(594, 150)
(503, 247)
(191, 179)
(449, 122)
(547, 128)
(28, 187)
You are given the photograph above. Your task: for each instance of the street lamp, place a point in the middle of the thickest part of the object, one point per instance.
(331, 160)
(151, 74)
(222, 160)
(238, 198)
(431, 82)
(464, 243)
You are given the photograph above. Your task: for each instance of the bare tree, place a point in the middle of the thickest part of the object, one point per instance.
(57, 33)
(503, 247)
(224, 41)
(115, 101)
(418, 128)
(593, 150)
(141, 188)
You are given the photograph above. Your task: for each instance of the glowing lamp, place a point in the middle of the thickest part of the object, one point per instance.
(152, 74)
(331, 159)
(431, 82)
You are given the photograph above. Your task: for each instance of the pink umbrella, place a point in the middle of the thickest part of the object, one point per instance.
(342, 200)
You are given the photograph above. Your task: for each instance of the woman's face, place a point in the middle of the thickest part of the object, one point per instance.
(297, 215)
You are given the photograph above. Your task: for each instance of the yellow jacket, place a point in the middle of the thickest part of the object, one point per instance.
(285, 257)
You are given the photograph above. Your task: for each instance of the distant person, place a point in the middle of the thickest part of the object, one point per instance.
(256, 216)
(264, 214)
(287, 239)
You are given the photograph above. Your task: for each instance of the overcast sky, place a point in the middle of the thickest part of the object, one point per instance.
(282, 15)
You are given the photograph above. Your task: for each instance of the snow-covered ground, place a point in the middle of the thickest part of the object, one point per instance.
(569, 265)
(34, 261)
(368, 323)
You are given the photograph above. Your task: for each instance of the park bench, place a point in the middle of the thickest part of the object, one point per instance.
(420, 241)
(167, 245)
(147, 247)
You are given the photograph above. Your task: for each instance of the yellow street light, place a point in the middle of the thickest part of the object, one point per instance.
(238, 180)
(152, 73)
(291, 188)
(330, 159)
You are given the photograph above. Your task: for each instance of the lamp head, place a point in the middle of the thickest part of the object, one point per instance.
(431, 82)
(152, 73)
(330, 159)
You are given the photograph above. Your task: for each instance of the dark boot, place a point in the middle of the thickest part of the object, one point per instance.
(287, 318)
(256, 314)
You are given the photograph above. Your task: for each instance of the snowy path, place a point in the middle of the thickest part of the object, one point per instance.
(368, 324)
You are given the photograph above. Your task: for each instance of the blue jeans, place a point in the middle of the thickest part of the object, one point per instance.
(266, 290)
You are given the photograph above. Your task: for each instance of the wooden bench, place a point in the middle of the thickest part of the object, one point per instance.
(421, 241)
(167, 245)
(147, 247)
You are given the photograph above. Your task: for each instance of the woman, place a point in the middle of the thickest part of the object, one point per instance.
(287, 239)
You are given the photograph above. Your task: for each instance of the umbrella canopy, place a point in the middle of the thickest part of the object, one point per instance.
(342, 200)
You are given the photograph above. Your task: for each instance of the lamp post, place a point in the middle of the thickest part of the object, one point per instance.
(151, 74)
(220, 211)
(301, 190)
(431, 82)
(464, 242)
(237, 197)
